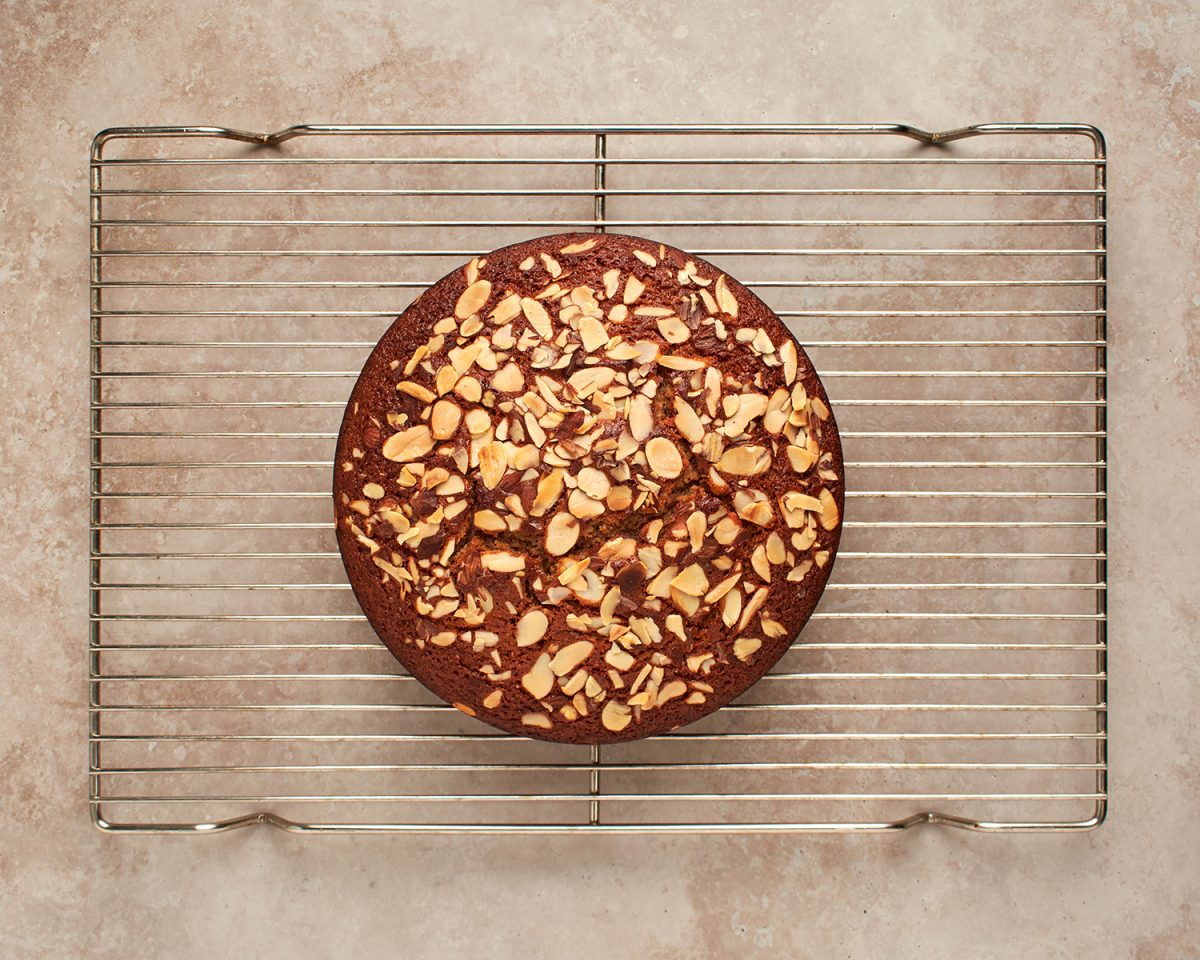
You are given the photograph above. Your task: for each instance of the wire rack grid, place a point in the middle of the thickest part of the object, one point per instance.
(950, 288)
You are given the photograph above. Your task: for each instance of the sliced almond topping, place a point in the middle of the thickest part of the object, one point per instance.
(409, 444)
(633, 289)
(561, 534)
(580, 246)
(615, 716)
(608, 606)
(537, 720)
(799, 572)
(818, 407)
(539, 680)
(549, 489)
(794, 500)
(821, 557)
(687, 422)
(685, 602)
(618, 658)
(646, 258)
(752, 606)
(727, 530)
(696, 523)
(619, 498)
(526, 264)
(747, 461)
(692, 581)
(444, 639)
(673, 362)
(829, 509)
(538, 318)
(584, 507)
(674, 624)
(593, 334)
(618, 313)
(573, 570)
(478, 422)
(745, 647)
(506, 310)
(760, 563)
(612, 280)
(445, 380)
(761, 342)
(801, 458)
(787, 353)
(641, 417)
(373, 491)
(571, 656)
(501, 561)
(508, 379)
(669, 691)
(664, 458)
(673, 329)
(776, 551)
(772, 628)
(725, 300)
(731, 607)
(492, 700)
(722, 588)
(490, 521)
(493, 462)
(472, 299)
(423, 394)
(593, 482)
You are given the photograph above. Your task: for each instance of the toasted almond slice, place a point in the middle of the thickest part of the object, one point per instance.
(633, 289)
(673, 329)
(747, 461)
(799, 572)
(641, 417)
(612, 281)
(501, 561)
(531, 628)
(538, 318)
(506, 310)
(445, 380)
(409, 444)
(829, 509)
(537, 720)
(571, 656)
(752, 606)
(787, 353)
(776, 551)
(818, 407)
(687, 422)
(472, 299)
(373, 491)
(492, 700)
(727, 530)
(794, 500)
(745, 647)
(615, 716)
(584, 507)
(593, 334)
(580, 246)
(646, 258)
(673, 362)
(685, 602)
(444, 639)
(760, 563)
(549, 489)
(722, 588)
(725, 300)
(539, 680)
(801, 458)
(660, 586)
(423, 394)
(674, 624)
(490, 521)
(593, 482)
(478, 422)
(731, 607)
(696, 524)
(561, 534)
(692, 581)
(664, 458)
(772, 628)
(618, 658)
(493, 462)
(508, 379)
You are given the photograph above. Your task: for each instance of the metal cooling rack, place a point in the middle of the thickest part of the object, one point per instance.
(951, 289)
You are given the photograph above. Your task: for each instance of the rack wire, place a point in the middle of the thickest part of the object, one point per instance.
(951, 289)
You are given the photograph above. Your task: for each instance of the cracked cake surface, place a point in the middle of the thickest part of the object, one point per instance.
(588, 488)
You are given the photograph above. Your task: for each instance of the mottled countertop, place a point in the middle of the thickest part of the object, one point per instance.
(1128, 889)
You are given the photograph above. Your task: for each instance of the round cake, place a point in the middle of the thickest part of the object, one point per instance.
(588, 488)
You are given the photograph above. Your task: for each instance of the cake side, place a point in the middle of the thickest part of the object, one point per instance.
(588, 488)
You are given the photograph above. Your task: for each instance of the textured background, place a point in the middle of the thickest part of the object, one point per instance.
(1126, 890)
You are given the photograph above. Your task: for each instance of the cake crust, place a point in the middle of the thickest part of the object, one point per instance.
(588, 488)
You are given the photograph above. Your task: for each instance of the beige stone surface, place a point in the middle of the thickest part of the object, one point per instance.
(1126, 890)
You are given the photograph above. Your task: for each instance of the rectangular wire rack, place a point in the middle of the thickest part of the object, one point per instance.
(949, 287)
